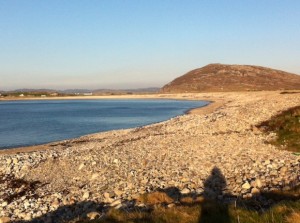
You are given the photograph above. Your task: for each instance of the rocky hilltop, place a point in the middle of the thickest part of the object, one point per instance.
(221, 77)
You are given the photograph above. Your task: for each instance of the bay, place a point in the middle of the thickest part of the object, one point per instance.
(27, 123)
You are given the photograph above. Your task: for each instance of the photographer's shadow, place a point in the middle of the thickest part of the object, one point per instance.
(212, 210)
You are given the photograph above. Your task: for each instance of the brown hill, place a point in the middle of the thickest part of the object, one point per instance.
(221, 77)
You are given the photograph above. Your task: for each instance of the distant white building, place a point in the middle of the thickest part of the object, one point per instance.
(21, 95)
(87, 94)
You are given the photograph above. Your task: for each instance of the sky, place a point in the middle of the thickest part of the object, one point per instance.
(96, 44)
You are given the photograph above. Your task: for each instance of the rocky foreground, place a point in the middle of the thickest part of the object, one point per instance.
(76, 177)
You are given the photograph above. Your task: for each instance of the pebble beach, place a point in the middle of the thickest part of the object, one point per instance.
(112, 169)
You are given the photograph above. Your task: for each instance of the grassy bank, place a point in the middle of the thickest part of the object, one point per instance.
(287, 128)
(199, 210)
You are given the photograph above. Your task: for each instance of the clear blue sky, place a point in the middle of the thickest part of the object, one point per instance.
(138, 43)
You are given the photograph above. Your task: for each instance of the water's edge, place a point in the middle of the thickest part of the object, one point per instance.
(188, 111)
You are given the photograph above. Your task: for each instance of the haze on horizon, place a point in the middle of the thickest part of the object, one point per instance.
(135, 44)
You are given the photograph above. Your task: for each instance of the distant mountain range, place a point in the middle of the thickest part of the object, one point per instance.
(81, 91)
(222, 77)
(210, 78)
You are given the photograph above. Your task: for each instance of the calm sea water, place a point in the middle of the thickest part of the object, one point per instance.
(24, 123)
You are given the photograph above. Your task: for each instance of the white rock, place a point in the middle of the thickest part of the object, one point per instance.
(4, 204)
(118, 206)
(8, 161)
(185, 191)
(15, 160)
(94, 176)
(246, 185)
(81, 166)
(116, 202)
(86, 195)
(28, 217)
(93, 215)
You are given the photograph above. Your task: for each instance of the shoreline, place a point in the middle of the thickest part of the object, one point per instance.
(95, 97)
(213, 105)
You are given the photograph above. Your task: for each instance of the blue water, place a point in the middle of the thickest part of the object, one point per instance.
(26, 123)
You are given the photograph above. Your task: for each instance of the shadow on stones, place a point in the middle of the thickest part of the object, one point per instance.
(213, 205)
(211, 210)
(74, 213)
(22, 187)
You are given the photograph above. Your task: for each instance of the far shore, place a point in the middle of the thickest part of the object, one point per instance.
(186, 96)
(212, 106)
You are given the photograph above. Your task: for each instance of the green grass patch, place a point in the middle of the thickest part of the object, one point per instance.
(207, 212)
(285, 208)
(287, 128)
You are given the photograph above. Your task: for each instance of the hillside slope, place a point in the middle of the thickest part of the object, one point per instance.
(221, 77)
